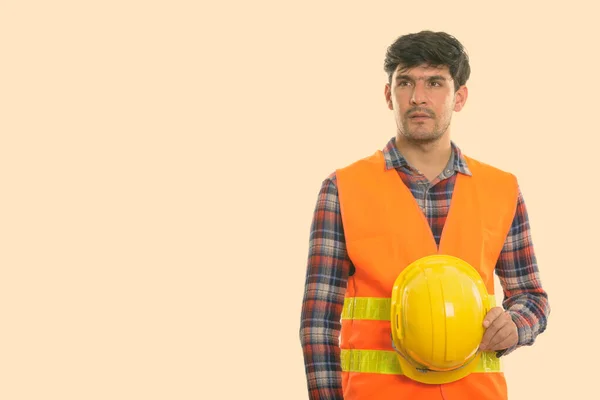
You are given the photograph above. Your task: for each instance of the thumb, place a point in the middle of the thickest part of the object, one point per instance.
(492, 315)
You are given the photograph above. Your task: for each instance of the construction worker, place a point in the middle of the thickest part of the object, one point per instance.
(418, 197)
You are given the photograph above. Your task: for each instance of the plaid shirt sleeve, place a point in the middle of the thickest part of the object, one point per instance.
(326, 282)
(517, 270)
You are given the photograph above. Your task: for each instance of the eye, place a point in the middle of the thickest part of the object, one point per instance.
(436, 83)
(403, 83)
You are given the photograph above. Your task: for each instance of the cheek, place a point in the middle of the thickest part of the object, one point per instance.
(446, 107)
(401, 102)
(401, 98)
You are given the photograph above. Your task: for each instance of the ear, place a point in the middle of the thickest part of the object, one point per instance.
(460, 98)
(388, 96)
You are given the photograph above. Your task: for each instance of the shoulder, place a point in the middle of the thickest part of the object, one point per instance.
(332, 178)
(489, 171)
(495, 182)
(362, 166)
(367, 164)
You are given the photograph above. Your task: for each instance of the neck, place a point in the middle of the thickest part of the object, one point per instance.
(429, 158)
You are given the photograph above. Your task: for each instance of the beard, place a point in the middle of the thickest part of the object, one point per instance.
(425, 132)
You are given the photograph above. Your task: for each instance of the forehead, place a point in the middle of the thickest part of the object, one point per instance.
(423, 71)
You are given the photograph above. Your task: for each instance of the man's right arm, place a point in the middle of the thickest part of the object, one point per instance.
(325, 286)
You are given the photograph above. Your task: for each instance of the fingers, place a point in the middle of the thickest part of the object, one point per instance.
(501, 330)
(504, 338)
(491, 325)
(500, 333)
(492, 315)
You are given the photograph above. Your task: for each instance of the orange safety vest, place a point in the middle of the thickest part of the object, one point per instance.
(385, 231)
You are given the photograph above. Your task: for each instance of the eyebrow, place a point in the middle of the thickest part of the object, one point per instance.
(429, 78)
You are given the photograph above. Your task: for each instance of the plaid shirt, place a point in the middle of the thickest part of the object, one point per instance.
(329, 265)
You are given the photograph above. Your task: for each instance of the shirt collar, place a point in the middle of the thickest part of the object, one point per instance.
(394, 159)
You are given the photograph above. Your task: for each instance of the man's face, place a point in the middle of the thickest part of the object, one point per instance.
(423, 99)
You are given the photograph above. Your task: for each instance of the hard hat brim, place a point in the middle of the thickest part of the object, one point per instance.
(438, 377)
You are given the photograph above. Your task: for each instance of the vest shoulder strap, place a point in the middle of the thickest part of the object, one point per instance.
(494, 182)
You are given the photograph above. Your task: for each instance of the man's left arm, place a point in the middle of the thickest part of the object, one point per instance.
(525, 301)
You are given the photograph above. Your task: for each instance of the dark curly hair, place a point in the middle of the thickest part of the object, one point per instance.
(435, 49)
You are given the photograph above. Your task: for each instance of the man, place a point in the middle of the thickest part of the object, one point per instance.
(365, 230)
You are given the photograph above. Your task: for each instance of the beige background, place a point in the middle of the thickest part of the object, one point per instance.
(160, 162)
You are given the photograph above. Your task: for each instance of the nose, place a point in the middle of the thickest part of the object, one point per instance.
(418, 94)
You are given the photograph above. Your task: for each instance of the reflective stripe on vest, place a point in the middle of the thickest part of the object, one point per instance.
(375, 308)
(385, 361)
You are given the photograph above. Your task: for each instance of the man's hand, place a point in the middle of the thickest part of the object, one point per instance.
(501, 332)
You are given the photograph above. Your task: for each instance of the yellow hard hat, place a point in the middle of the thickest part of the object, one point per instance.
(438, 305)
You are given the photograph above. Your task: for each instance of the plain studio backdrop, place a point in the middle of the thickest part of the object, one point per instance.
(160, 162)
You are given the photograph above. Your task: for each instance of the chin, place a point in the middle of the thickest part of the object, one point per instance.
(422, 137)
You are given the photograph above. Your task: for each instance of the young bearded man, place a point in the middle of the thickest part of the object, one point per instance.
(419, 195)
